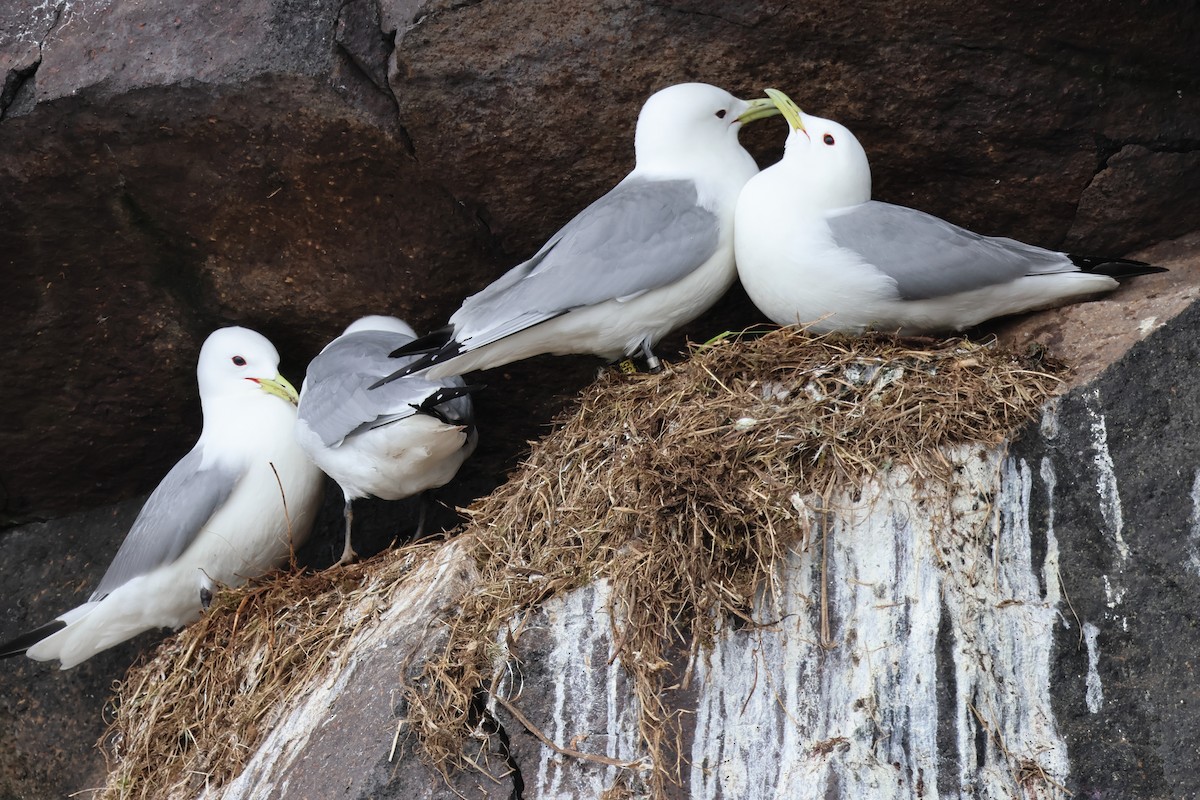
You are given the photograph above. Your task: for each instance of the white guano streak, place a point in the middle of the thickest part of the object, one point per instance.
(780, 717)
(1094, 692)
(1106, 476)
(593, 710)
(1193, 539)
(266, 773)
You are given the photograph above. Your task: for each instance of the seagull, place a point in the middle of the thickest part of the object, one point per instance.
(397, 442)
(651, 255)
(813, 247)
(233, 508)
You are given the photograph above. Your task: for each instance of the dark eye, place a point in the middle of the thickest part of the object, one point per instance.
(239, 361)
(828, 139)
(721, 114)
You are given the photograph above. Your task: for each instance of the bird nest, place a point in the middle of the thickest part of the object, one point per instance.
(683, 490)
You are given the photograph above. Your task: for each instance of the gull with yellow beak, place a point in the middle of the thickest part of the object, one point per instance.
(813, 247)
(651, 255)
(233, 508)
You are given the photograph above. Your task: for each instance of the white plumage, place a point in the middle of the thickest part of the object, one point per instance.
(651, 255)
(812, 247)
(393, 442)
(231, 509)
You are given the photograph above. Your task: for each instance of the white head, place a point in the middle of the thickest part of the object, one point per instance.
(829, 164)
(376, 322)
(236, 363)
(682, 124)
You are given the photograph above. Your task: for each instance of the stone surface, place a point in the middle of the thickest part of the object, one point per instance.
(1113, 474)
(166, 168)
(1026, 630)
(341, 739)
(49, 719)
(1130, 180)
(1091, 336)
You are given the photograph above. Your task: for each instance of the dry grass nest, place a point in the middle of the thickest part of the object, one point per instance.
(680, 489)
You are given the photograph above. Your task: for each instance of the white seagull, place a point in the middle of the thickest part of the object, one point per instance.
(651, 255)
(395, 442)
(813, 247)
(233, 508)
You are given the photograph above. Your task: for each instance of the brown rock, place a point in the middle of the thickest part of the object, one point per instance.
(1091, 336)
(167, 168)
(1137, 195)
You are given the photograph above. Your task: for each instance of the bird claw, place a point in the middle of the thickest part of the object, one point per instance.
(348, 556)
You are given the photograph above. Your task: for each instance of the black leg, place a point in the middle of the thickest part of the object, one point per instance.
(423, 511)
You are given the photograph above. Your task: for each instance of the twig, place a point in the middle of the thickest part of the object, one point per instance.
(566, 751)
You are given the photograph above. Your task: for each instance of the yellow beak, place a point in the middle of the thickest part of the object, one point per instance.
(279, 387)
(790, 111)
(760, 108)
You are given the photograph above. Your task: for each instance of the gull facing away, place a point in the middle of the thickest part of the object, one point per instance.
(651, 255)
(233, 508)
(813, 247)
(395, 442)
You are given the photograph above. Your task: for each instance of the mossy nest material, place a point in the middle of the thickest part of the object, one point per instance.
(682, 489)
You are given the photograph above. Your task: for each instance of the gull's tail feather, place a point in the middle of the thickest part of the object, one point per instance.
(1113, 267)
(429, 343)
(450, 416)
(18, 645)
(445, 395)
(447, 352)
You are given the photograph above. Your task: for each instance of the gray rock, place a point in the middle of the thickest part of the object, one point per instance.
(167, 168)
(1022, 630)
(50, 720)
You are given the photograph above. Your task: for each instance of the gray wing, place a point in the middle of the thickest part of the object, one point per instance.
(169, 521)
(928, 257)
(338, 401)
(641, 235)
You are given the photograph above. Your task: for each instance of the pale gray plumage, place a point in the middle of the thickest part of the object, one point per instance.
(232, 508)
(647, 257)
(173, 515)
(642, 235)
(393, 442)
(337, 402)
(929, 257)
(813, 247)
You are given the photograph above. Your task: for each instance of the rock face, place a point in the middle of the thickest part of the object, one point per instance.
(166, 168)
(50, 720)
(1023, 630)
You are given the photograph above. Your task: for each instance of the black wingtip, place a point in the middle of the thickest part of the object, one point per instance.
(446, 394)
(447, 352)
(429, 343)
(1118, 268)
(416, 365)
(18, 645)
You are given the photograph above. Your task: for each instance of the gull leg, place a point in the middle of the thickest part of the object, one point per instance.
(348, 554)
(422, 513)
(653, 364)
(207, 588)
